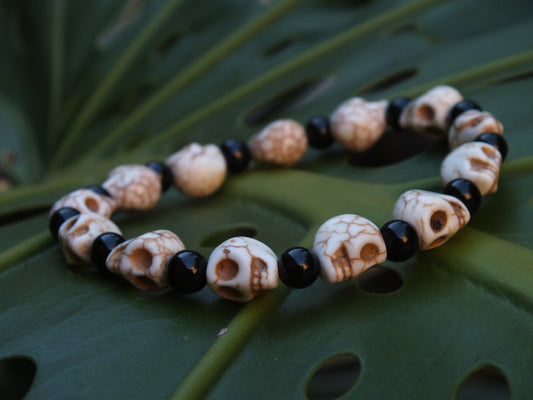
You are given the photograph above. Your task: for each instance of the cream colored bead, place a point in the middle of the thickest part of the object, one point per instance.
(346, 246)
(470, 125)
(143, 260)
(358, 124)
(198, 170)
(241, 268)
(428, 113)
(476, 161)
(134, 187)
(76, 236)
(281, 142)
(86, 201)
(436, 217)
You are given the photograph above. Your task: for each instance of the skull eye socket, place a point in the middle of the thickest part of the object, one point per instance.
(489, 152)
(68, 224)
(426, 113)
(438, 220)
(141, 258)
(92, 204)
(226, 269)
(369, 252)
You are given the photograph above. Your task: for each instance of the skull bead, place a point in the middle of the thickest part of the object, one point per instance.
(476, 161)
(241, 268)
(346, 246)
(143, 260)
(86, 201)
(470, 124)
(436, 217)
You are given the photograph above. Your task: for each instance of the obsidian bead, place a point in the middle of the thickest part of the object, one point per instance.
(394, 110)
(186, 271)
(494, 139)
(459, 108)
(400, 239)
(298, 267)
(99, 189)
(237, 154)
(161, 169)
(318, 132)
(60, 216)
(102, 246)
(466, 191)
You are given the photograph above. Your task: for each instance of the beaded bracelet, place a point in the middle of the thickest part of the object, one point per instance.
(344, 246)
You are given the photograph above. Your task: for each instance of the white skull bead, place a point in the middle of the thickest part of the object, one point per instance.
(134, 187)
(470, 124)
(241, 268)
(476, 161)
(281, 142)
(76, 236)
(357, 124)
(198, 170)
(143, 260)
(346, 246)
(428, 113)
(86, 201)
(436, 217)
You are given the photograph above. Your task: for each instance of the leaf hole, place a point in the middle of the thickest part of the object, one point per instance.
(277, 47)
(389, 81)
(214, 239)
(16, 376)
(380, 280)
(334, 377)
(488, 383)
(292, 98)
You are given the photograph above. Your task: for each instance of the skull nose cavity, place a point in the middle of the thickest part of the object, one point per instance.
(438, 220)
(340, 258)
(141, 258)
(230, 293)
(227, 269)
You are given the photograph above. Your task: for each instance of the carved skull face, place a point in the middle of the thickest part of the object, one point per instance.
(143, 260)
(241, 268)
(427, 114)
(436, 217)
(471, 124)
(346, 246)
(476, 161)
(77, 234)
(86, 201)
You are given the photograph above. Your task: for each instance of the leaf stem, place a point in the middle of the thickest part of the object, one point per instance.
(24, 250)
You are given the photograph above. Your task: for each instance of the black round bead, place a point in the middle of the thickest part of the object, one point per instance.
(394, 110)
(237, 154)
(400, 239)
(298, 267)
(459, 108)
(186, 271)
(99, 189)
(60, 216)
(164, 172)
(496, 140)
(102, 246)
(466, 191)
(318, 132)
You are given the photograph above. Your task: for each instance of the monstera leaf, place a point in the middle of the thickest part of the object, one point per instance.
(85, 86)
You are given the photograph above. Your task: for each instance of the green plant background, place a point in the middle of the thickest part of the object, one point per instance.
(85, 86)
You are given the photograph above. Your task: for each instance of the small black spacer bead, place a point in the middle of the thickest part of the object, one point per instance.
(496, 140)
(394, 111)
(318, 132)
(186, 271)
(99, 189)
(161, 169)
(459, 108)
(237, 154)
(102, 246)
(298, 267)
(60, 216)
(400, 239)
(466, 191)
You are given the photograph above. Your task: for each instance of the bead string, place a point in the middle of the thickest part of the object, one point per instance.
(345, 246)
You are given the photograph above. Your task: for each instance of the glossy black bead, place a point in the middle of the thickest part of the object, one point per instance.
(466, 191)
(186, 271)
(99, 189)
(102, 246)
(60, 216)
(496, 140)
(400, 239)
(318, 132)
(394, 110)
(298, 267)
(237, 154)
(459, 108)
(164, 172)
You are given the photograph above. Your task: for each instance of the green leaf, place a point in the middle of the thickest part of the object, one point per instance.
(86, 86)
